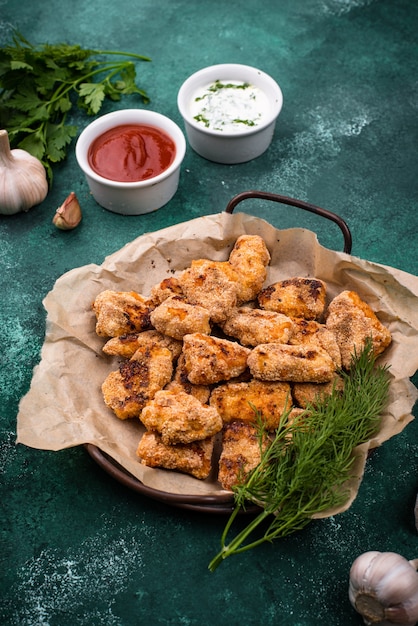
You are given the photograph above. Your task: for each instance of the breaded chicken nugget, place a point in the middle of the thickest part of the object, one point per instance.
(240, 453)
(353, 322)
(213, 285)
(175, 317)
(211, 360)
(295, 297)
(253, 326)
(309, 393)
(121, 312)
(194, 458)
(250, 258)
(241, 400)
(166, 288)
(310, 331)
(180, 380)
(303, 363)
(180, 417)
(127, 390)
(126, 345)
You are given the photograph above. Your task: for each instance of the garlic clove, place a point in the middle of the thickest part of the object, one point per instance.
(68, 215)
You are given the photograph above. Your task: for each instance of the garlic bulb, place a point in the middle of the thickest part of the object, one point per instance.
(384, 588)
(68, 215)
(23, 181)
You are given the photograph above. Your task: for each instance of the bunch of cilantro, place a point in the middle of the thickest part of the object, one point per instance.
(41, 85)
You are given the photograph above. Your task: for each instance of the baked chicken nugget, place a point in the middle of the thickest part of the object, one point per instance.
(193, 458)
(353, 322)
(121, 312)
(180, 380)
(310, 331)
(180, 417)
(250, 258)
(309, 393)
(213, 285)
(295, 297)
(126, 345)
(240, 453)
(211, 360)
(127, 390)
(253, 326)
(270, 399)
(283, 362)
(175, 317)
(163, 290)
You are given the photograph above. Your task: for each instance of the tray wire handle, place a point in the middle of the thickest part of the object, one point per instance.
(300, 204)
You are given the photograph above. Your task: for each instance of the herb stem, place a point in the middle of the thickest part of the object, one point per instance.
(235, 546)
(132, 55)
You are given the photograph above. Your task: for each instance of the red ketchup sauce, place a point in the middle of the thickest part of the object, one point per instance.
(131, 153)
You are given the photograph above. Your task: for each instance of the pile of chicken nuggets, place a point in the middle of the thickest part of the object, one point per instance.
(211, 346)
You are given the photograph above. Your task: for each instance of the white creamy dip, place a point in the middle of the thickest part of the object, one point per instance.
(229, 106)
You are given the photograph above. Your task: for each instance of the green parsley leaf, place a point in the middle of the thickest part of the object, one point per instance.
(19, 65)
(92, 96)
(41, 85)
(34, 144)
(58, 138)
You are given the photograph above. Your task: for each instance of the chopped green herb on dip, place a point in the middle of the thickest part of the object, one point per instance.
(229, 106)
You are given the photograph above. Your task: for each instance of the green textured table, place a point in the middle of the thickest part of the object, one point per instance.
(77, 548)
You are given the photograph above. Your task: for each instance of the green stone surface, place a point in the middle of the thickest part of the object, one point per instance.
(77, 548)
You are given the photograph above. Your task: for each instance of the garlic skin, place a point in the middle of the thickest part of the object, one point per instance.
(384, 588)
(23, 182)
(68, 215)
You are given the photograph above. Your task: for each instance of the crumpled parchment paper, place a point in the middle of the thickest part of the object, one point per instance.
(64, 405)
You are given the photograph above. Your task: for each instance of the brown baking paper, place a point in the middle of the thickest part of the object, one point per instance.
(64, 405)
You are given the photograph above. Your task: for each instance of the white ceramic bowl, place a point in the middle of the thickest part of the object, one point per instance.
(131, 198)
(230, 146)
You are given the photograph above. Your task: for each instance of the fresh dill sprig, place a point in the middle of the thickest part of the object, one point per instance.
(304, 470)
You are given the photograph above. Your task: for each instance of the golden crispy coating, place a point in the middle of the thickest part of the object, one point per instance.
(295, 297)
(310, 331)
(308, 393)
(253, 326)
(166, 288)
(240, 400)
(297, 413)
(126, 391)
(240, 453)
(180, 417)
(303, 363)
(180, 380)
(193, 458)
(213, 285)
(175, 317)
(250, 257)
(126, 345)
(353, 322)
(121, 312)
(211, 360)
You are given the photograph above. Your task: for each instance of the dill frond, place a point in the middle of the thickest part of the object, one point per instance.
(304, 470)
